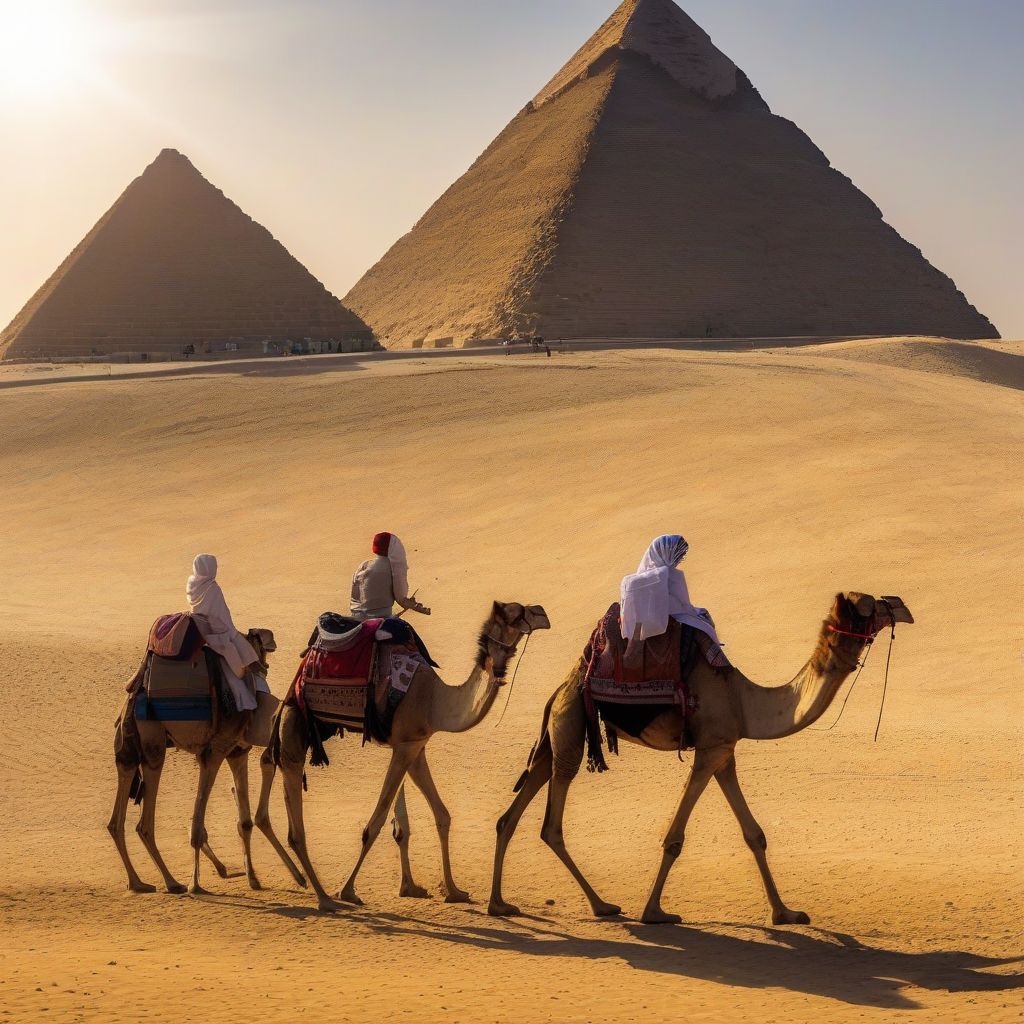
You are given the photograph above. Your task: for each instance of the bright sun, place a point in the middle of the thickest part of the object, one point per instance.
(46, 46)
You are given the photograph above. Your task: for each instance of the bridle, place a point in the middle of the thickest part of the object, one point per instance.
(869, 639)
(508, 648)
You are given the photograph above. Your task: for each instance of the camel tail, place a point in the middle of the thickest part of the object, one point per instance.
(539, 746)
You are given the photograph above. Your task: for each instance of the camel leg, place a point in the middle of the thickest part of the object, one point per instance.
(402, 758)
(125, 775)
(400, 830)
(218, 865)
(146, 828)
(292, 776)
(420, 772)
(208, 768)
(536, 779)
(755, 839)
(268, 770)
(705, 764)
(551, 833)
(238, 762)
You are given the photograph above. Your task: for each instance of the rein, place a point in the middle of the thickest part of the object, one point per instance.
(870, 639)
(512, 683)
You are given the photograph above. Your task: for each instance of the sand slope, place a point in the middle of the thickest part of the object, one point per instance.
(793, 474)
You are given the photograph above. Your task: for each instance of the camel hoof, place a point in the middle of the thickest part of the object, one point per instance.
(177, 889)
(222, 871)
(660, 917)
(790, 917)
(498, 908)
(456, 896)
(198, 890)
(301, 880)
(327, 906)
(141, 887)
(607, 910)
(413, 892)
(349, 896)
(255, 884)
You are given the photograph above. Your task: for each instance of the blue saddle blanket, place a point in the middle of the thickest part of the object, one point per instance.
(172, 709)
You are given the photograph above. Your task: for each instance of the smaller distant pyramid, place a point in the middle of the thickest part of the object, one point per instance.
(174, 266)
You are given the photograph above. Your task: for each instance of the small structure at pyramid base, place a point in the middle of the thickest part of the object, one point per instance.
(648, 191)
(175, 269)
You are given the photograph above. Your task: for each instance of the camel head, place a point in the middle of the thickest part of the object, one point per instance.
(857, 618)
(263, 643)
(501, 633)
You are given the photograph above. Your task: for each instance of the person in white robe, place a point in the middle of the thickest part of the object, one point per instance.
(657, 591)
(210, 610)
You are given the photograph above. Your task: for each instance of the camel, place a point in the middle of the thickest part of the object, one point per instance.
(140, 748)
(429, 707)
(729, 707)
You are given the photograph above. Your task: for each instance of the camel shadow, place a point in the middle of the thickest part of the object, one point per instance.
(813, 961)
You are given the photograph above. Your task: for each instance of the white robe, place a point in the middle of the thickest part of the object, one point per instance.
(210, 610)
(657, 592)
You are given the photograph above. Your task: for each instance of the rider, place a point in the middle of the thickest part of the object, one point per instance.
(382, 582)
(657, 591)
(210, 610)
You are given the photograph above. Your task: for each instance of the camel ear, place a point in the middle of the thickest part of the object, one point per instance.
(864, 603)
(498, 611)
(513, 613)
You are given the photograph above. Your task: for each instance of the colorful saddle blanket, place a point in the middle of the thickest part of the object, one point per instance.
(176, 690)
(355, 680)
(647, 673)
(175, 636)
(629, 686)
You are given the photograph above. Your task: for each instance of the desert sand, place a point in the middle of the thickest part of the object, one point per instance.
(882, 466)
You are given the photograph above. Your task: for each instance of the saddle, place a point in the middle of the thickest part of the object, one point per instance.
(640, 672)
(629, 685)
(352, 679)
(175, 636)
(179, 690)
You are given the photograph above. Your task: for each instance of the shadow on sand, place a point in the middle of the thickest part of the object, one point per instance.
(810, 961)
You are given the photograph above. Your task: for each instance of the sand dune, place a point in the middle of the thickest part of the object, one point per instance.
(995, 362)
(793, 473)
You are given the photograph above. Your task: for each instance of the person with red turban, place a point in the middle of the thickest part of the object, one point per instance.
(382, 582)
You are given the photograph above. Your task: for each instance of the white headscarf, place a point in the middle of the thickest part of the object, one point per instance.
(648, 596)
(399, 568)
(205, 596)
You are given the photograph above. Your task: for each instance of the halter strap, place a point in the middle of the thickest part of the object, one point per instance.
(501, 643)
(845, 632)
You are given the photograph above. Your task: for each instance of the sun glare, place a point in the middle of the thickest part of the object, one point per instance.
(46, 47)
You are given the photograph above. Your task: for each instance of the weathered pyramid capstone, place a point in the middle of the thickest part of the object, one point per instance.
(174, 263)
(648, 191)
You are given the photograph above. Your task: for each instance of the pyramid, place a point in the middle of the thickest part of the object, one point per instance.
(648, 191)
(174, 263)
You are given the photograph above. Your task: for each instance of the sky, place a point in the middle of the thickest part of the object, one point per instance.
(336, 123)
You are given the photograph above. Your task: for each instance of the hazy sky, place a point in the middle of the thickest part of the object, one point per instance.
(336, 123)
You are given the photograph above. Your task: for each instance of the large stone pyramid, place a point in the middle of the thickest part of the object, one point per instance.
(649, 192)
(174, 263)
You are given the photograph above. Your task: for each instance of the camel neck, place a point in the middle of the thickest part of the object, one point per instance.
(773, 712)
(459, 708)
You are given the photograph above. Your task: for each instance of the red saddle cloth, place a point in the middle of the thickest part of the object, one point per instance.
(647, 673)
(175, 636)
(334, 682)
